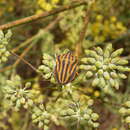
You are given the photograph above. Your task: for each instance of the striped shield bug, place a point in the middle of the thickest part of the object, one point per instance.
(66, 68)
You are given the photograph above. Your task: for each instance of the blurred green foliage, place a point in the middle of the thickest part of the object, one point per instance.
(98, 98)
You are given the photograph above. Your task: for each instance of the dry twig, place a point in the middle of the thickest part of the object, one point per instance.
(49, 27)
(42, 15)
(78, 49)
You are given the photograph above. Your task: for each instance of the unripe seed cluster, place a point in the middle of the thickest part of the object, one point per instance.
(76, 113)
(4, 41)
(41, 117)
(125, 112)
(47, 67)
(106, 68)
(17, 95)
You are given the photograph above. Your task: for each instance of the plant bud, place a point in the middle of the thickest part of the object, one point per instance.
(112, 82)
(40, 124)
(109, 47)
(106, 54)
(100, 72)
(127, 104)
(46, 121)
(86, 116)
(30, 102)
(33, 116)
(18, 103)
(84, 60)
(70, 112)
(94, 116)
(83, 67)
(7, 54)
(46, 127)
(89, 74)
(99, 51)
(106, 75)
(128, 111)
(116, 84)
(122, 110)
(47, 76)
(28, 85)
(127, 119)
(8, 34)
(13, 98)
(117, 53)
(47, 57)
(22, 100)
(95, 82)
(89, 111)
(122, 62)
(95, 125)
(122, 76)
(91, 60)
(98, 64)
(90, 102)
(114, 75)
(115, 60)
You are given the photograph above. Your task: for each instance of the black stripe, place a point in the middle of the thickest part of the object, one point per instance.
(65, 67)
(72, 76)
(58, 60)
(66, 73)
(72, 64)
(70, 54)
(60, 67)
(56, 75)
(72, 69)
(61, 75)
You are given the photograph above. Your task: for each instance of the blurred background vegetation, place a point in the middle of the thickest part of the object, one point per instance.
(98, 99)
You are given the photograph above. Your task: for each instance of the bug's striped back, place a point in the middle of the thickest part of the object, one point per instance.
(66, 68)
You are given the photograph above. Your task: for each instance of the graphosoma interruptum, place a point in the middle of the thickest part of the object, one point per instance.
(66, 68)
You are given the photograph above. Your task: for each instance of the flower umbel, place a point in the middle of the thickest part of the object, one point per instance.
(41, 117)
(4, 41)
(125, 112)
(106, 68)
(18, 97)
(80, 114)
(47, 68)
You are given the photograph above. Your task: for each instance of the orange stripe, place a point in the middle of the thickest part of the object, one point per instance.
(65, 68)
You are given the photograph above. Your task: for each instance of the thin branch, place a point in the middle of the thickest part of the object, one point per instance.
(78, 49)
(23, 54)
(40, 33)
(42, 15)
(30, 40)
(26, 62)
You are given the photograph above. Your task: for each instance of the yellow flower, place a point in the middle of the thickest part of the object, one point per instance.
(96, 93)
(99, 17)
(119, 25)
(10, 9)
(47, 7)
(96, 28)
(89, 90)
(55, 1)
(106, 22)
(99, 38)
(41, 2)
(113, 19)
(114, 128)
(39, 11)
(112, 26)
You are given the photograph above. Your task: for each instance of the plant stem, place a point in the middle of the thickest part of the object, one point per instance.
(42, 15)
